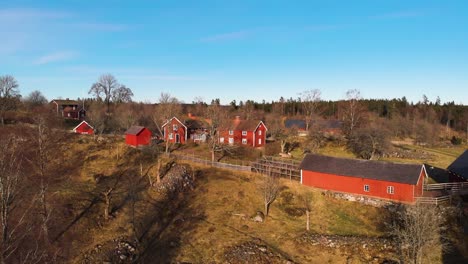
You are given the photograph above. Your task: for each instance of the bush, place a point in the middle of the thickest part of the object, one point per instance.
(456, 140)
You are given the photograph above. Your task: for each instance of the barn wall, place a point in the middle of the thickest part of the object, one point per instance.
(144, 137)
(131, 140)
(355, 185)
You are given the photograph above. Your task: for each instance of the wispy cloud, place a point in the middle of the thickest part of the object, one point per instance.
(55, 57)
(102, 26)
(227, 36)
(21, 14)
(399, 14)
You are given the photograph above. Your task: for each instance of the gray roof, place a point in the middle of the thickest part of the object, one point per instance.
(460, 165)
(368, 169)
(134, 130)
(437, 174)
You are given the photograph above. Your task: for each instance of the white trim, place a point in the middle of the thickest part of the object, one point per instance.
(253, 142)
(244, 132)
(368, 188)
(261, 122)
(391, 188)
(170, 120)
(74, 129)
(301, 176)
(244, 141)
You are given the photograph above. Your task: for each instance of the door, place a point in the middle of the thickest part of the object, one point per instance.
(177, 138)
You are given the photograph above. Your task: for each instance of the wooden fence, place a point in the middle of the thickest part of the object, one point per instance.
(277, 167)
(434, 200)
(212, 163)
(453, 186)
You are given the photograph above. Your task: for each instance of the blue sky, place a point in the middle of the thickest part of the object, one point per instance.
(239, 49)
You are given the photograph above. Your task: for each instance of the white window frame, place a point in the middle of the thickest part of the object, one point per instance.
(244, 141)
(390, 189)
(231, 132)
(366, 188)
(171, 136)
(259, 141)
(221, 139)
(231, 140)
(175, 127)
(259, 132)
(244, 133)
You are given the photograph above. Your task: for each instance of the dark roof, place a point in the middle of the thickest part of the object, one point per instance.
(460, 165)
(324, 124)
(66, 102)
(368, 169)
(134, 130)
(295, 123)
(195, 124)
(247, 125)
(437, 174)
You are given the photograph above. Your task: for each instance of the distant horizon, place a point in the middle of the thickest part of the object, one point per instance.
(241, 50)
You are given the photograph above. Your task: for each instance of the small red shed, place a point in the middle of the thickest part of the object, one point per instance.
(391, 181)
(84, 128)
(175, 131)
(137, 136)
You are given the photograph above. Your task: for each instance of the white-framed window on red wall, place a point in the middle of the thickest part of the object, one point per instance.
(259, 132)
(244, 133)
(231, 132)
(390, 189)
(244, 141)
(366, 187)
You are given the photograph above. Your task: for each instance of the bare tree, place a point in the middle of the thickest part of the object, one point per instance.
(307, 203)
(35, 99)
(107, 195)
(9, 93)
(310, 102)
(122, 94)
(108, 87)
(270, 189)
(352, 112)
(13, 229)
(166, 108)
(369, 143)
(219, 120)
(417, 230)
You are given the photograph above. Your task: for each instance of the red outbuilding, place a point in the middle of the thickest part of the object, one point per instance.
(384, 180)
(175, 131)
(137, 136)
(84, 128)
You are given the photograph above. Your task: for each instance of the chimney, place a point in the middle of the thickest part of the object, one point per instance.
(190, 115)
(237, 120)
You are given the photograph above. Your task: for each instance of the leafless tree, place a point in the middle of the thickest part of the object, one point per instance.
(35, 99)
(369, 143)
(352, 112)
(219, 120)
(166, 108)
(417, 230)
(310, 102)
(270, 188)
(9, 93)
(306, 200)
(13, 229)
(107, 195)
(122, 94)
(97, 117)
(108, 87)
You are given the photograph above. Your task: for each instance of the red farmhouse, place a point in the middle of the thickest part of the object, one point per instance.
(175, 131)
(137, 136)
(84, 128)
(244, 132)
(384, 180)
(69, 109)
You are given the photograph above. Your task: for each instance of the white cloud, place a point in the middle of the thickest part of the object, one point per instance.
(226, 36)
(55, 57)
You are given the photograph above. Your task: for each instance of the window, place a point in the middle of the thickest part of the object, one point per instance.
(259, 141)
(259, 132)
(390, 190)
(244, 141)
(231, 140)
(231, 132)
(170, 136)
(244, 133)
(366, 188)
(221, 140)
(175, 127)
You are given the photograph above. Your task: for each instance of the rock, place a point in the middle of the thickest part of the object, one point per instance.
(260, 217)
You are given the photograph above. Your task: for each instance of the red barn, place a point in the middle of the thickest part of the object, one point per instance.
(384, 180)
(244, 132)
(84, 128)
(175, 131)
(137, 136)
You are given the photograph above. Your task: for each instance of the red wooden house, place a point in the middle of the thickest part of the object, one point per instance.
(175, 131)
(84, 128)
(244, 132)
(137, 136)
(383, 180)
(69, 109)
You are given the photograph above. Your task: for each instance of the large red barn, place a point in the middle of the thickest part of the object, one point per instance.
(84, 128)
(384, 180)
(137, 136)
